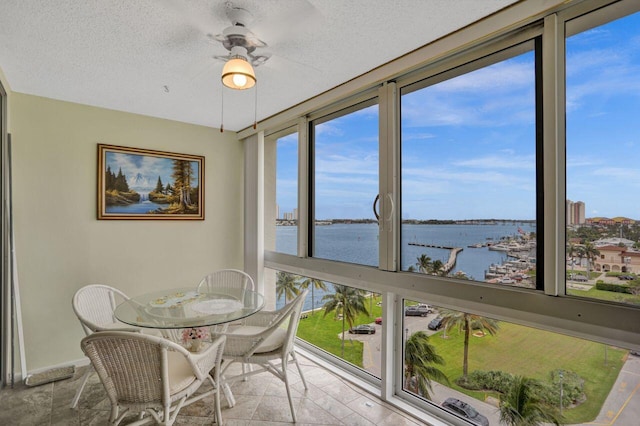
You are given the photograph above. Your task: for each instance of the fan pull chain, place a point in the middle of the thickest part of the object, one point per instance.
(222, 109)
(255, 109)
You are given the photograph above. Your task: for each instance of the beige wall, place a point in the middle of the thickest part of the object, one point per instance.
(61, 246)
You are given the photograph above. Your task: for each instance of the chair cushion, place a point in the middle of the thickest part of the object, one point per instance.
(180, 372)
(271, 343)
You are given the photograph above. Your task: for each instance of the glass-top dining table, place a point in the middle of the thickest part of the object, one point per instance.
(181, 308)
(185, 308)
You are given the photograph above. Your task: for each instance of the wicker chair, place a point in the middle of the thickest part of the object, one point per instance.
(266, 339)
(232, 282)
(94, 305)
(226, 281)
(150, 374)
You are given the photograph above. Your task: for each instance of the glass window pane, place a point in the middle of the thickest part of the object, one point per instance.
(341, 320)
(466, 364)
(603, 100)
(345, 176)
(469, 175)
(287, 194)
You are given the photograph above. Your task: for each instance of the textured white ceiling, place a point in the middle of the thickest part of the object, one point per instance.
(120, 54)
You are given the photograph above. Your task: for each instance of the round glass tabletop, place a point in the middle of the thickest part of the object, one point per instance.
(185, 307)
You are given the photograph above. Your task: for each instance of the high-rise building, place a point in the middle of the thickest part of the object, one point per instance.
(575, 212)
(579, 212)
(569, 212)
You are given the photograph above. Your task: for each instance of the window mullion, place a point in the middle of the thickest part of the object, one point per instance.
(303, 187)
(553, 155)
(389, 157)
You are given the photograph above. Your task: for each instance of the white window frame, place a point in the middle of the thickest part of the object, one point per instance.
(549, 309)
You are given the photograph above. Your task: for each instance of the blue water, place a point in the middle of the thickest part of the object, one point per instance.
(358, 243)
(137, 208)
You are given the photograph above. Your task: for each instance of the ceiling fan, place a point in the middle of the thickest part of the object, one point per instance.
(238, 38)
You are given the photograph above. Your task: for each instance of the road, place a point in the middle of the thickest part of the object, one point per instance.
(621, 408)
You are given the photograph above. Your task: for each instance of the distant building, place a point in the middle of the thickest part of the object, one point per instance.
(617, 259)
(614, 241)
(575, 212)
(607, 221)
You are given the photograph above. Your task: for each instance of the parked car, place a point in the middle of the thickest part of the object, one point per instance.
(435, 324)
(465, 410)
(579, 278)
(418, 310)
(363, 329)
(379, 320)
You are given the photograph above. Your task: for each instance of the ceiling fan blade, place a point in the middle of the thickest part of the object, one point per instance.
(300, 16)
(223, 58)
(259, 59)
(195, 14)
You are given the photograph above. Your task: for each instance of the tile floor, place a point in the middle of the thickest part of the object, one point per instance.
(261, 400)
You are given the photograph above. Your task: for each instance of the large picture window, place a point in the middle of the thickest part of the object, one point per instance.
(287, 193)
(345, 184)
(603, 153)
(487, 161)
(469, 173)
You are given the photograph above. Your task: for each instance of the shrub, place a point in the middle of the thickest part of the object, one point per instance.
(572, 388)
(487, 380)
(548, 392)
(617, 288)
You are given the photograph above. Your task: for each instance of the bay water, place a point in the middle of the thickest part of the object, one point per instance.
(358, 243)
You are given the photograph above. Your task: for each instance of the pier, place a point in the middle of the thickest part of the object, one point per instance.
(453, 254)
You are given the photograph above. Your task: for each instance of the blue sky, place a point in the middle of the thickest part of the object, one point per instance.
(150, 167)
(468, 143)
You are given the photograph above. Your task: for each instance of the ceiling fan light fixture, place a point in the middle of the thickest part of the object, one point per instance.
(238, 74)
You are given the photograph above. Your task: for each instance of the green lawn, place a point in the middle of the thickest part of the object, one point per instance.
(324, 332)
(514, 349)
(612, 296)
(534, 353)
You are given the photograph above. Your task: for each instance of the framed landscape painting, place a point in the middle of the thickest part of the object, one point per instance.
(144, 184)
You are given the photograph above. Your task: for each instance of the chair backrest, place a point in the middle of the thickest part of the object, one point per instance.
(136, 368)
(130, 366)
(226, 281)
(294, 310)
(94, 305)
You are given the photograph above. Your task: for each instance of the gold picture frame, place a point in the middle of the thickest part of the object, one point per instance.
(135, 184)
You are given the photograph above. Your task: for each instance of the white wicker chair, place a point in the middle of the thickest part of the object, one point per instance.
(266, 339)
(143, 373)
(226, 281)
(94, 305)
(232, 282)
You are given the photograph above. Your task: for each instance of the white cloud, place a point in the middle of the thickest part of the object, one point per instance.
(525, 162)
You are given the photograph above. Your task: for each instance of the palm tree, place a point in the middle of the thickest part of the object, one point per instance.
(313, 283)
(424, 263)
(521, 406)
(590, 252)
(419, 357)
(437, 268)
(572, 250)
(467, 322)
(347, 301)
(287, 285)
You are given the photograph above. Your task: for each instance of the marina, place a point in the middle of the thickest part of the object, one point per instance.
(358, 243)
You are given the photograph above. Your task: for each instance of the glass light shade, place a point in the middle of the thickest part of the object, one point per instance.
(238, 74)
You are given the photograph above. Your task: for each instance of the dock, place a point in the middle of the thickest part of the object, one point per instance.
(453, 254)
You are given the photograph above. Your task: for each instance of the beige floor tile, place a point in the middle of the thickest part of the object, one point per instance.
(260, 401)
